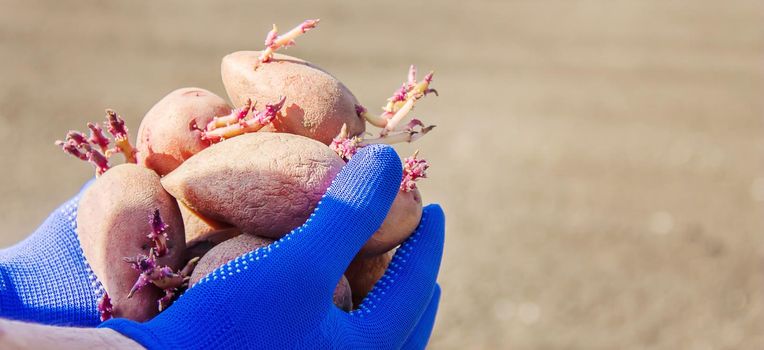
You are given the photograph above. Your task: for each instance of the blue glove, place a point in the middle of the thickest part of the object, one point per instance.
(45, 278)
(280, 296)
(421, 334)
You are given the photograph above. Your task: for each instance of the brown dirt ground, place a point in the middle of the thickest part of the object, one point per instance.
(600, 162)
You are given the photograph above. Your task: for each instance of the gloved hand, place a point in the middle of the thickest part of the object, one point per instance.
(280, 296)
(421, 334)
(45, 279)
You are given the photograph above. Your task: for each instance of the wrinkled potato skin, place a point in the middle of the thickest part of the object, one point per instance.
(239, 245)
(317, 104)
(167, 136)
(400, 222)
(112, 223)
(261, 183)
(363, 273)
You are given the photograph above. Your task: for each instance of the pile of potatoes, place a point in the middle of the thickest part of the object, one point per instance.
(215, 181)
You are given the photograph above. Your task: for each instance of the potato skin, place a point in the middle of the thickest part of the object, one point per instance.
(225, 252)
(343, 295)
(317, 104)
(363, 273)
(400, 222)
(112, 223)
(262, 183)
(167, 135)
(200, 229)
(239, 245)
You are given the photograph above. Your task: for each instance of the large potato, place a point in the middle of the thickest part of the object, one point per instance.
(169, 133)
(112, 223)
(317, 104)
(262, 183)
(239, 245)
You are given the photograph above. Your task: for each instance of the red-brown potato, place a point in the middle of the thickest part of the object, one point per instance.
(317, 104)
(399, 224)
(169, 133)
(262, 183)
(268, 184)
(200, 229)
(363, 273)
(239, 245)
(112, 223)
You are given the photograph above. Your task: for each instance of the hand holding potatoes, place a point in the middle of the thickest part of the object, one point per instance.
(212, 180)
(281, 295)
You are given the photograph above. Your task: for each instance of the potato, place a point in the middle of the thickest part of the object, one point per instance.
(343, 295)
(237, 246)
(317, 104)
(363, 273)
(261, 183)
(168, 134)
(225, 252)
(112, 223)
(399, 224)
(268, 184)
(200, 229)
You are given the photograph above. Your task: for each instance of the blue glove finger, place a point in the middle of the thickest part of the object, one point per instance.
(400, 297)
(352, 209)
(421, 334)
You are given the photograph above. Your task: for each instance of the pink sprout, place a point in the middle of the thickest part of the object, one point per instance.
(400, 94)
(428, 80)
(413, 170)
(346, 148)
(77, 137)
(270, 38)
(97, 137)
(412, 75)
(242, 111)
(115, 124)
(273, 41)
(266, 115)
(70, 147)
(158, 233)
(97, 159)
(82, 147)
(428, 77)
(345, 145)
(142, 263)
(309, 24)
(144, 279)
(162, 277)
(105, 309)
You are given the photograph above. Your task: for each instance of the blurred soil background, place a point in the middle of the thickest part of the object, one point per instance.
(601, 163)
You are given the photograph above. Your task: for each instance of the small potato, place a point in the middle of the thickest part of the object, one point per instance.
(237, 246)
(399, 224)
(169, 133)
(363, 273)
(317, 104)
(112, 223)
(261, 183)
